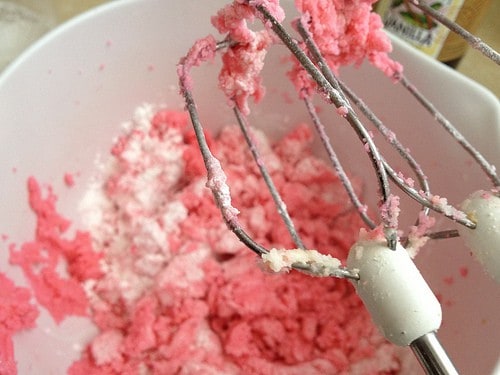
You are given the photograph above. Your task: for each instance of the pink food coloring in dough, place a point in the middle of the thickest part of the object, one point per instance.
(243, 62)
(449, 280)
(40, 259)
(417, 237)
(69, 179)
(407, 180)
(170, 288)
(346, 33)
(486, 195)
(389, 211)
(376, 234)
(166, 283)
(202, 50)
(208, 307)
(464, 271)
(342, 111)
(240, 78)
(17, 313)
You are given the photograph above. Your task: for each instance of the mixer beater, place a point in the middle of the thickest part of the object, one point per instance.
(379, 261)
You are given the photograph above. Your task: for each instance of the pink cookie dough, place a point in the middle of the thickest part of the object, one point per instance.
(17, 313)
(171, 289)
(61, 295)
(347, 32)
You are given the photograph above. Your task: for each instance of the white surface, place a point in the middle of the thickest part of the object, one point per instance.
(398, 298)
(62, 101)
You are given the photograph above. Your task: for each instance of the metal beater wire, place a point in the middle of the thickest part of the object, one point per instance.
(381, 167)
(339, 101)
(473, 40)
(453, 131)
(232, 223)
(209, 160)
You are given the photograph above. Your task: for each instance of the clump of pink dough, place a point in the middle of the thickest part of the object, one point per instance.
(243, 62)
(17, 313)
(60, 294)
(346, 32)
(181, 295)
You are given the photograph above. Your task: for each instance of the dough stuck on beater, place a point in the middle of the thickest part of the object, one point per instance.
(311, 261)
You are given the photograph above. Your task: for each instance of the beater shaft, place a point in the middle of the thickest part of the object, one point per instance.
(432, 356)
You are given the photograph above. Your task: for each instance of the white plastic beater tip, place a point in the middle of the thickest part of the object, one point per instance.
(398, 298)
(483, 207)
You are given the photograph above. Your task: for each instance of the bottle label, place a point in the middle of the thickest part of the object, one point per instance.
(414, 26)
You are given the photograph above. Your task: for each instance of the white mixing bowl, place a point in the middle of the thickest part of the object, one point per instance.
(62, 101)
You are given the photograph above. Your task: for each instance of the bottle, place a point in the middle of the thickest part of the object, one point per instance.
(411, 24)
(469, 17)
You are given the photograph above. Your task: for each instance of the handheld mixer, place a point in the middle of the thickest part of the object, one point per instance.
(378, 262)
